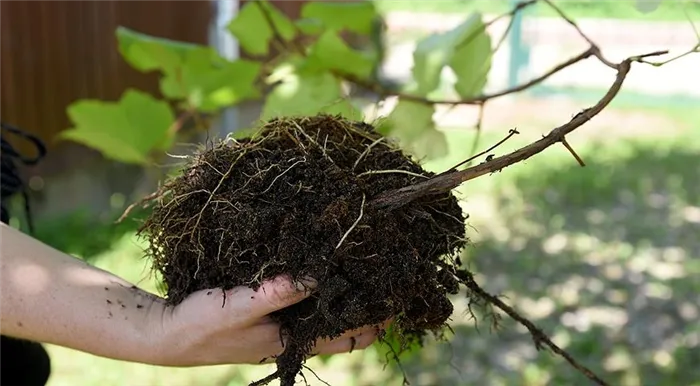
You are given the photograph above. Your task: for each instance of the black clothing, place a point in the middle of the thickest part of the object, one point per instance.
(22, 362)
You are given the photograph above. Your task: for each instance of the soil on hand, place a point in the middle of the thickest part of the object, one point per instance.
(294, 199)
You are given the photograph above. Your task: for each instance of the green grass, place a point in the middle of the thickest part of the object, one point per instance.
(624, 100)
(604, 258)
(669, 10)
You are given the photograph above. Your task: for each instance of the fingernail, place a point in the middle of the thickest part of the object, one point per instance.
(306, 284)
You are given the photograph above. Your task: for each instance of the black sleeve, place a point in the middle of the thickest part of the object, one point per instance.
(22, 363)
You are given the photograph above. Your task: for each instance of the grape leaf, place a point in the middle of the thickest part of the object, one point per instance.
(435, 51)
(356, 16)
(412, 124)
(209, 82)
(148, 53)
(471, 59)
(125, 131)
(329, 52)
(307, 94)
(343, 107)
(431, 144)
(253, 31)
(310, 26)
(192, 72)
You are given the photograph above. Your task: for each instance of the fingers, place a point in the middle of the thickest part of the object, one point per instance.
(358, 341)
(353, 333)
(344, 344)
(353, 340)
(277, 294)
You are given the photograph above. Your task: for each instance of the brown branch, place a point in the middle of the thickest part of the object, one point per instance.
(695, 49)
(518, 8)
(692, 23)
(480, 99)
(511, 133)
(538, 336)
(593, 50)
(573, 153)
(585, 37)
(445, 182)
(276, 34)
(505, 34)
(477, 128)
(378, 89)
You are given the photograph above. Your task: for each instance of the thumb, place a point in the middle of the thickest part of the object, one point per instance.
(279, 293)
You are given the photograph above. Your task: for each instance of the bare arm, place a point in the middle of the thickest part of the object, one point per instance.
(50, 297)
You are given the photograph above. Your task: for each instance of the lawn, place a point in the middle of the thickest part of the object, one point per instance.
(604, 258)
(669, 10)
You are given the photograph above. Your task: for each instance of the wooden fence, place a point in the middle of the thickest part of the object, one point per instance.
(55, 52)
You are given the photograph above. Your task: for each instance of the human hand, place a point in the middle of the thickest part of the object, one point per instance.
(200, 331)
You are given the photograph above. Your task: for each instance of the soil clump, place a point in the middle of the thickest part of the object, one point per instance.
(294, 199)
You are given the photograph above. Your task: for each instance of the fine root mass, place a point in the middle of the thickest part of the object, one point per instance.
(293, 200)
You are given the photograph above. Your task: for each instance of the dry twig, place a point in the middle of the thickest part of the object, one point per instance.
(538, 336)
(444, 182)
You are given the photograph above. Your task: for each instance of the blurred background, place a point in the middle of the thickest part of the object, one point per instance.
(606, 258)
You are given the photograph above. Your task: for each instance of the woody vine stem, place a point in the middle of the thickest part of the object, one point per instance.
(453, 177)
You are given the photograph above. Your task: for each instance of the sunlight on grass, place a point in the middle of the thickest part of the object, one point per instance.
(604, 258)
(667, 11)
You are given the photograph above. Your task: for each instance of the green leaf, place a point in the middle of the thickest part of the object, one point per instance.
(253, 30)
(357, 16)
(329, 52)
(434, 52)
(471, 60)
(148, 53)
(647, 6)
(310, 26)
(343, 107)
(431, 144)
(209, 82)
(412, 124)
(307, 94)
(192, 72)
(127, 130)
(245, 132)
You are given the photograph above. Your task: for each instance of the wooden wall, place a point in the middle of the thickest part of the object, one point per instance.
(55, 52)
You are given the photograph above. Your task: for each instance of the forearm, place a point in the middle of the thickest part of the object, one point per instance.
(51, 297)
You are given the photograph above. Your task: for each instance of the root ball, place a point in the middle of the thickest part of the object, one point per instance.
(294, 199)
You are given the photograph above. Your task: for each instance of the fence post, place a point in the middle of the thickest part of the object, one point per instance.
(228, 47)
(519, 52)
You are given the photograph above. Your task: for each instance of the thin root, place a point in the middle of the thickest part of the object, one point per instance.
(362, 208)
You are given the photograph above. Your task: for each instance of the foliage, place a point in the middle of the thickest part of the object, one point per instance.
(536, 199)
(303, 67)
(466, 49)
(126, 130)
(648, 10)
(298, 67)
(306, 76)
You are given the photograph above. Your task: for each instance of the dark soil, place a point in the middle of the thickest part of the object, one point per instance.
(287, 201)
